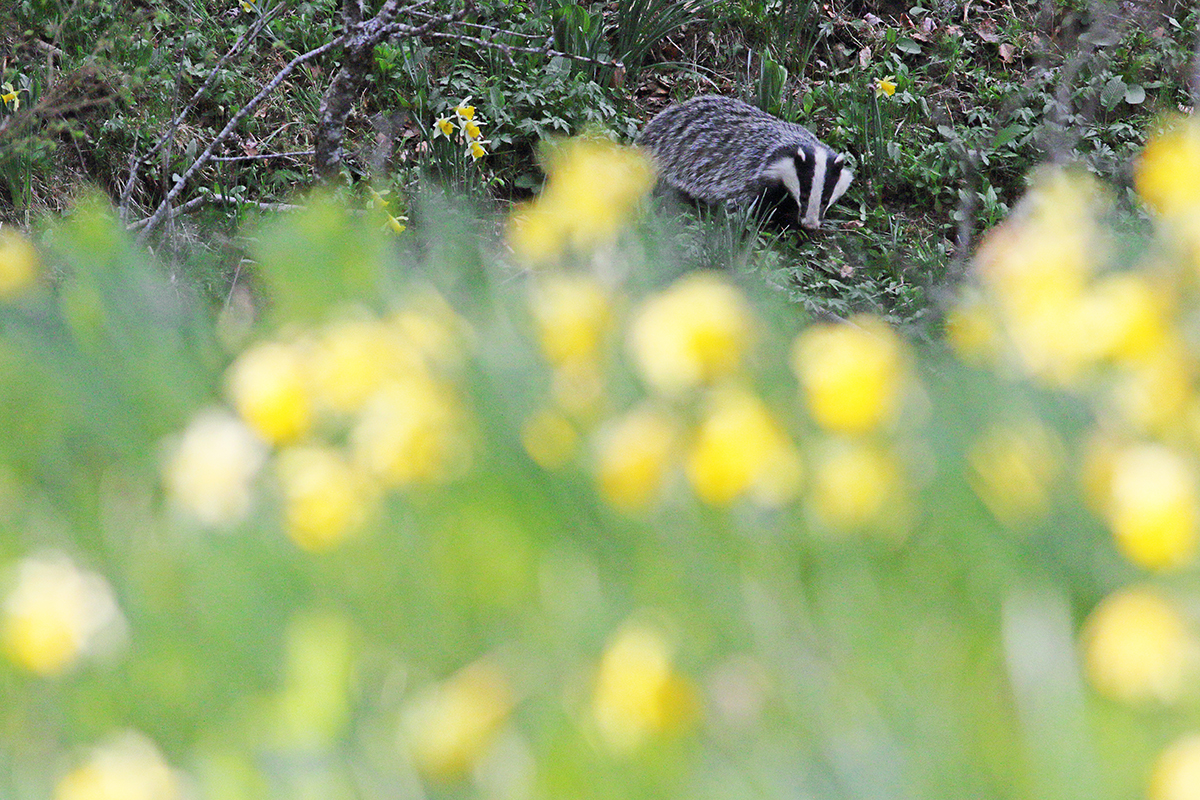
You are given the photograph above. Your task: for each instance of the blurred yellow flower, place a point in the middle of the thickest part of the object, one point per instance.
(1167, 176)
(739, 447)
(1176, 774)
(472, 130)
(973, 331)
(412, 431)
(1152, 395)
(325, 499)
(1035, 268)
(1013, 469)
(128, 767)
(592, 189)
(549, 438)
(634, 454)
(1128, 317)
(1152, 508)
(19, 263)
(856, 486)
(210, 472)
(443, 127)
(638, 692)
(694, 332)
(351, 359)
(269, 386)
(572, 314)
(435, 329)
(854, 376)
(56, 613)
(1137, 647)
(885, 86)
(449, 727)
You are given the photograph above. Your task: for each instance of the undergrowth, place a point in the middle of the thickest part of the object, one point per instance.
(982, 92)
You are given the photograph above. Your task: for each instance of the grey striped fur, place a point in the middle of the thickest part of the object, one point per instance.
(720, 150)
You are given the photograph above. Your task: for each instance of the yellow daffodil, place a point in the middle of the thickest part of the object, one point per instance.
(351, 359)
(858, 486)
(444, 127)
(10, 96)
(247, 6)
(693, 333)
(1137, 647)
(449, 727)
(1176, 774)
(471, 129)
(477, 150)
(464, 111)
(55, 613)
(638, 693)
(853, 375)
(210, 472)
(19, 263)
(885, 86)
(412, 431)
(129, 766)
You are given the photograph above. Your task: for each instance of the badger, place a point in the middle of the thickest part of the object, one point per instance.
(716, 149)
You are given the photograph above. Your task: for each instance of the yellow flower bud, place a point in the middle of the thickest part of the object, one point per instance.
(633, 456)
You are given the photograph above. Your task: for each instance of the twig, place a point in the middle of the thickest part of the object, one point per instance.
(511, 48)
(264, 156)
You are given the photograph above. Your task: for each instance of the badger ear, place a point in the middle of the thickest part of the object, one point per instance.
(801, 154)
(839, 160)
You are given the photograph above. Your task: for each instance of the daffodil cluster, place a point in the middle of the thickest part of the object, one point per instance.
(360, 406)
(465, 124)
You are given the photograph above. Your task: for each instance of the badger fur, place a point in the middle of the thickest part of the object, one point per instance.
(717, 149)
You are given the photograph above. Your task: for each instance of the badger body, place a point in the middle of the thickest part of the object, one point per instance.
(716, 149)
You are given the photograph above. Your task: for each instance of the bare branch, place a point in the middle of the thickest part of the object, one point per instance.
(156, 218)
(249, 35)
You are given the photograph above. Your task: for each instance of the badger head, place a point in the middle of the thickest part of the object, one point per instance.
(815, 176)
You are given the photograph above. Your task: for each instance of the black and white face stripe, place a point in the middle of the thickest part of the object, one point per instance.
(816, 179)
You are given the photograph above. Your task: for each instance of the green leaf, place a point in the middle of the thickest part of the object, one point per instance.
(1113, 93)
(908, 46)
(1135, 94)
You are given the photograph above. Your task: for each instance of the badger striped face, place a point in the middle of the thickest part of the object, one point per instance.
(816, 178)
